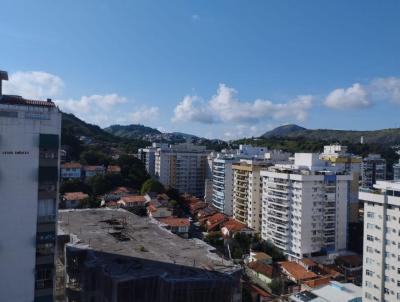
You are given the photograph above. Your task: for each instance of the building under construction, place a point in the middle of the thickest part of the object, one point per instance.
(113, 255)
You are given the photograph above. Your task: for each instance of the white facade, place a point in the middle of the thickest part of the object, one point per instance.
(183, 167)
(304, 206)
(381, 258)
(148, 157)
(222, 182)
(28, 197)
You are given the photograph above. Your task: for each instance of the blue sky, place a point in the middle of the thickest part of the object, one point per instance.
(221, 69)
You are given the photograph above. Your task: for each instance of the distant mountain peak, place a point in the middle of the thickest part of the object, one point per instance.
(283, 130)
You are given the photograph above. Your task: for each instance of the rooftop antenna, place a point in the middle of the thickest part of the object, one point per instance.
(3, 77)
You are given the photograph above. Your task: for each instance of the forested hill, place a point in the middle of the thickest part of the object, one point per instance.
(384, 136)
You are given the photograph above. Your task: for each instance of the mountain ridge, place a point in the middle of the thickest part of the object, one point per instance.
(385, 136)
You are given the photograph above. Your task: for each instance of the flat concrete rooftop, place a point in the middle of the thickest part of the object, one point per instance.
(119, 232)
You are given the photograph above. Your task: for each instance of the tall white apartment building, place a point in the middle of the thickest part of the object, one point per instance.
(381, 264)
(222, 182)
(373, 168)
(148, 157)
(29, 170)
(338, 156)
(304, 206)
(247, 189)
(183, 167)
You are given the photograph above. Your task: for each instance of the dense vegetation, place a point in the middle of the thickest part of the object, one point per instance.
(131, 131)
(384, 136)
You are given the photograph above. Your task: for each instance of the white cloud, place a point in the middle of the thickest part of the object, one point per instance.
(363, 96)
(386, 88)
(240, 131)
(144, 115)
(353, 97)
(34, 84)
(225, 107)
(91, 104)
(192, 109)
(104, 110)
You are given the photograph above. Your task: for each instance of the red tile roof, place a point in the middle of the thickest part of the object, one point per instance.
(175, 222)
(17, 100)
(308, 262)
(120, 190)
(71, 165)
(114, 169)
(75, 196)
(262, 268)
(318, 282)
(353, 260)
(234, 226)
(296, 271)
(134, 199)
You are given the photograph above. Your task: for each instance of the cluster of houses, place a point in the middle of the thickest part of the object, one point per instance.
(211, 219)
(303, 276)
(157, 206)
(75, 170)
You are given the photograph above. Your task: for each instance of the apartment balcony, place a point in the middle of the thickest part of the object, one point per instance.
(276, 222)
(240, 200)
(277, 202)
(285, 198)
(277, 207)
(243, 186)
(278, 216)
(240, 217)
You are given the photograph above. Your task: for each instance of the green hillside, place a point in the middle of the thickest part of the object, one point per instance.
(384, 136)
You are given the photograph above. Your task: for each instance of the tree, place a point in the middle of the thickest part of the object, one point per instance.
(95, 157)
(101, 184)
(75, 185)
(237, 253)
(90, 202)
(132, 171)
(276, 286)
(152, 185)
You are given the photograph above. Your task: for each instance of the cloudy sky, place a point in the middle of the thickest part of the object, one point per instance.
(219, 69)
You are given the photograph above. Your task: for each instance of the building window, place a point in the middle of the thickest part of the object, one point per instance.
(5, 113)
(369, 273)
(44, 277)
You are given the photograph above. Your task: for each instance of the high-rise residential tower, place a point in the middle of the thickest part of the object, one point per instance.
(29, 170)
(338, 156)
(183, 167)
(148, 157)
(373, 168)
(305, 206)
(222, 182)
(247, 188)
(381, 264)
